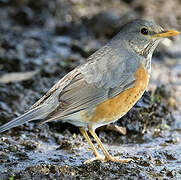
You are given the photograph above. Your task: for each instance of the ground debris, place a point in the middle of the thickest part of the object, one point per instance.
(16, 77)
(53, 37)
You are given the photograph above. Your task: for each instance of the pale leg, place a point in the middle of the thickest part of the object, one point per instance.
(96, 154)
(108, 157)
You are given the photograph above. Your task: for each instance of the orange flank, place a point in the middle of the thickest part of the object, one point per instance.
(116, 107)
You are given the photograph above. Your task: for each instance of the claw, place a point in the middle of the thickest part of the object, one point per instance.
(108, 159)
(98, 157)
(117, 159)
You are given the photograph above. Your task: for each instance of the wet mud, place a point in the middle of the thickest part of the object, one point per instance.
(41, 41)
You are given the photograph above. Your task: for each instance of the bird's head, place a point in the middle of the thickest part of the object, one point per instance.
(143, 36)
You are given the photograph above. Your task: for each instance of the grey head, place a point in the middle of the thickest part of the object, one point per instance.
(143, 36)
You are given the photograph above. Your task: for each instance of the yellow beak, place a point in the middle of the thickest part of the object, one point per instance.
(166, 33)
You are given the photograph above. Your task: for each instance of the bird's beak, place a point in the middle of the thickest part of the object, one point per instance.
(165, 34)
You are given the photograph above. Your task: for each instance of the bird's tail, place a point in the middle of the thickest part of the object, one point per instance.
(37, 113)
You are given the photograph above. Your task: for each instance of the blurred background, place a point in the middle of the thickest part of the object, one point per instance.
(41, 41)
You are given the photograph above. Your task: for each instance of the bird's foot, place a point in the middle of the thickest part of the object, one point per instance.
(117, 159)
(108, 159)
(98, 157)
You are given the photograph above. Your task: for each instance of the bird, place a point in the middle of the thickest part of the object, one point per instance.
(104, 88)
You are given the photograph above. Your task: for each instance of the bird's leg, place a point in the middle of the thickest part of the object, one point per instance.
(84, 133)
(96, 154)
(108, 157)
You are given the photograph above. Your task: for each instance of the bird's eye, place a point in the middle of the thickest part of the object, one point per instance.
(144, 31)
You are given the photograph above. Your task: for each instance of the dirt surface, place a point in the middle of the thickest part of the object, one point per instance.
(40, 41)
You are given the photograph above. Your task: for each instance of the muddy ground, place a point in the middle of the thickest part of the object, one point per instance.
(40, 41)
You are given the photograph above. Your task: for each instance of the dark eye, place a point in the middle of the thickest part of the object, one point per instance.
(144, 31)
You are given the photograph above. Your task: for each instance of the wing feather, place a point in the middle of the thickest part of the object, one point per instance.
(95, 82)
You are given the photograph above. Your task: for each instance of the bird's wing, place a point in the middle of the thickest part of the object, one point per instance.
(94, 83)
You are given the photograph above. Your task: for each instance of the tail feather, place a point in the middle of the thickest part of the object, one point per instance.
(37, 113)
